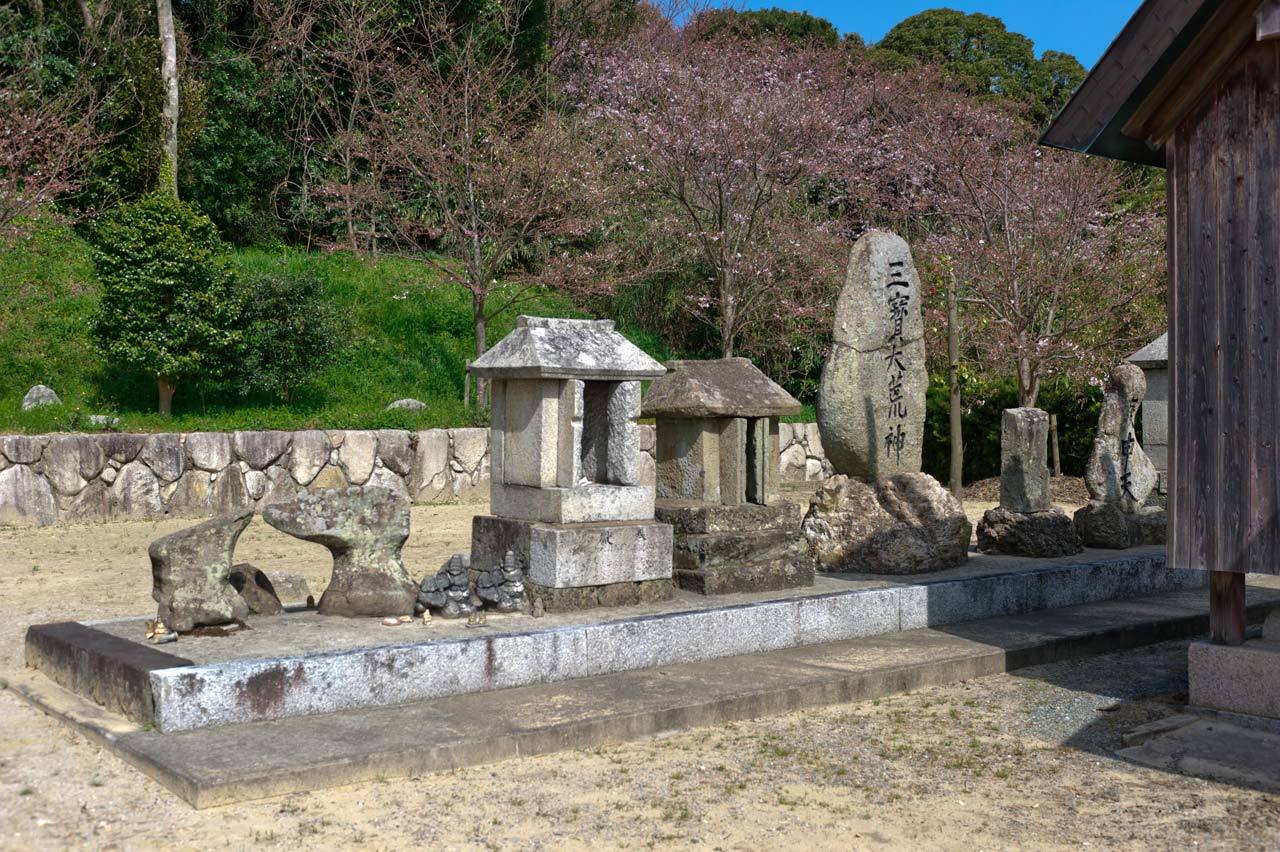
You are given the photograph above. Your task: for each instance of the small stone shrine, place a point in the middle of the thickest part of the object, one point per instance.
(717, 478)
(564, 449)
(1026, 523)
(1119, 476)
(879, 513)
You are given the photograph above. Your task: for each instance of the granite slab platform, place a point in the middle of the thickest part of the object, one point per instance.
(302, 663)
(220, 766)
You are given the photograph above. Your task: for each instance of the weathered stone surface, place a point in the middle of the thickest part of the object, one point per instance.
(395, 448)
(40, 396)
(230, 491)
(699, 518)
(309, 456)
(92, 459)
(209, 451)
(162, 453)
(330, 477)
(548, 348)
(384, 478)
(256, 588)
(723, 387)
(62, 464)
(547, 599)
(581, 505)
(502, 586)
(357, 454)
(255, 482)
(280, 485)
(25, 497)
(23, 449)
(108, 474)
(136, 491)
(430, 479)
(1024, 465)
(1118, 470)
(261, 449)
(190, 572)
(91, 504)
(469, 447)
(871, 398)
(1036, 534)
(289, 587)
(364, 529)
(121, 448)
(190, 497)
(906, 524)
(103, 421)
(1106, 525)
(406, 404)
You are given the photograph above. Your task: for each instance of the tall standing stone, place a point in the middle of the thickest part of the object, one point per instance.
(1024, 462)
(871, 400)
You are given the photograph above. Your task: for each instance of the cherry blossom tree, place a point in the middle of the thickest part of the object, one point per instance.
(726, 133)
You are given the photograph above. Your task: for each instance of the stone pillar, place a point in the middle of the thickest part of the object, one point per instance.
(1024, 464)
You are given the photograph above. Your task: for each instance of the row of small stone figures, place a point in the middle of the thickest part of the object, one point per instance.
(451, 593)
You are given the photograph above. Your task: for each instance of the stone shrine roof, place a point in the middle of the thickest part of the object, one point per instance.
(727, 387)
(1154, 355)
(548, 348)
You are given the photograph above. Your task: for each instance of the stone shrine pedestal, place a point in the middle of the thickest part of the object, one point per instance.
(565, 484)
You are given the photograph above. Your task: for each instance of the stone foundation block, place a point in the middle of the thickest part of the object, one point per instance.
(590, 597)
(579, 505)
(698, 518)
(1239, 679)
(1036, 534)
(560, 556)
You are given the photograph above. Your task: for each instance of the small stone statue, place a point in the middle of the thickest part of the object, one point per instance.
(503, 587)
(448, 592)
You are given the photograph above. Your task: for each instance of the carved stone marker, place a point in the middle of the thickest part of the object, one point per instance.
(1026, 523)
(191, 572)
(364, 529)
(1119, 475)
(871, 400)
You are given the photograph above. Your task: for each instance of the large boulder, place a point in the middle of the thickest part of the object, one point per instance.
(310, 455)
(261, 449)
(905, 524)
(357, 454)
(40, 396)
(364, 529)
(209, 451)
(1040, 535)
(164, 455)
(871, 399)
(191, 574)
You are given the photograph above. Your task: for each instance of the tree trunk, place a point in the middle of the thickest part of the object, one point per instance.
(165, 390)
(728, 315)
(169, 76)
(482, 346)
(86, 14)
(1028, 383)
(956, 433)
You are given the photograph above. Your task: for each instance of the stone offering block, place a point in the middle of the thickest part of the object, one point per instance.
(191, 574)
(1036, 534)
(906, 524)
(1024, 465)
(364, 529)
(871, 400)
(745, 548)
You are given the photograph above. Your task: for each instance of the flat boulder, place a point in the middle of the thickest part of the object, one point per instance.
(365, 530)
(904, 524)
(191, 574)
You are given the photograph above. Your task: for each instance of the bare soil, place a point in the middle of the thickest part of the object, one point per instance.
(1014, 761)
(1066, 490)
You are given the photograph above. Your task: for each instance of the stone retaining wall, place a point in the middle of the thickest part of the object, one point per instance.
(48, 479)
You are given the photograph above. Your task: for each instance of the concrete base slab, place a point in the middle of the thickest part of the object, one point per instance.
(218, 766)
(1236, 678)
(301, 663)
(1213, 748)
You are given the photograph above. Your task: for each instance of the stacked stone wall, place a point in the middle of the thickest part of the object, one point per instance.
(69, 478)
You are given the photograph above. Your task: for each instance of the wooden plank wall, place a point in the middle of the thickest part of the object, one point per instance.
(1224, 323)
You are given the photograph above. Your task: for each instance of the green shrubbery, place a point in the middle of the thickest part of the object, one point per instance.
(170, 307)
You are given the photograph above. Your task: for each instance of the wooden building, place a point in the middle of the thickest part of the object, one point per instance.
(1194, 86)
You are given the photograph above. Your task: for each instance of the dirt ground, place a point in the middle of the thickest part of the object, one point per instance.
(1014, 761)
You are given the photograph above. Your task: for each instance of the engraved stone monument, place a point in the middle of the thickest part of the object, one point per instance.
(1119, 475)
(565, 466)
(871, 400)
(717, 478)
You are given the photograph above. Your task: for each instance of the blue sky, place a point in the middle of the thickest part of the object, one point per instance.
(1082, 27)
